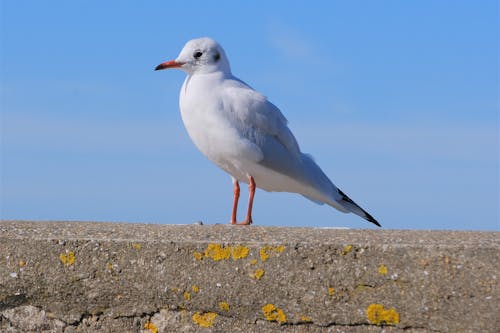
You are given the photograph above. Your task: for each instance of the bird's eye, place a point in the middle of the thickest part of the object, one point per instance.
(197, 54)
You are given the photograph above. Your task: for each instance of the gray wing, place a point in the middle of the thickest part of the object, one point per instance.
(263, 124)
(257, 115)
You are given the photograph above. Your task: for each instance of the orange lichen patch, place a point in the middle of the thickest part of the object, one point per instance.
(239, 252)
(151, 327)
(217, 252)
(195, 289)
(258, 273)
(224, 306)
(136, 246)
(22, 263)
(331, 291)
(378, 315)
(68, 258)
(347, 249)
(197, 255)
(305, 319)
(272, 313)
(187, 295)
(204, 319)
(382, 269)
(253, 262)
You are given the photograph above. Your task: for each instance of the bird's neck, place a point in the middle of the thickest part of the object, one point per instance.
(209, 76)
(204, 80)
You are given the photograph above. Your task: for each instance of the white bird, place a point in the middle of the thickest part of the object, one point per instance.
(243, 133)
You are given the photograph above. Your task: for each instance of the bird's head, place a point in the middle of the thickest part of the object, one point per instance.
(201, 55)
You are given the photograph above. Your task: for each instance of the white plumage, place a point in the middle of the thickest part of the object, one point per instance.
(243, 133)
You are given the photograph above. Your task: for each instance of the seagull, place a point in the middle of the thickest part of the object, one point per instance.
(239, 130)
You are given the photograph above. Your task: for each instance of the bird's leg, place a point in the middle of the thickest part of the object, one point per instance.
(236, 191)
(251, 190)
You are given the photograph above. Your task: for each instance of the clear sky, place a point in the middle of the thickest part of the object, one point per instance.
(398, 101)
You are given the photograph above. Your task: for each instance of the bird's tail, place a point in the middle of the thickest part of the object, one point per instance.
(328, 193)
(353, 207)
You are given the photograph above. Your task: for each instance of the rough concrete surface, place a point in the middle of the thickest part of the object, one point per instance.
(116, 277)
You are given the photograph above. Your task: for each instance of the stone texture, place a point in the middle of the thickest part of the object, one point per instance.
(117, 277)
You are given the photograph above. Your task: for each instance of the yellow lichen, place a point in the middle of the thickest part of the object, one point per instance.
(195, 289)
(187, 295)
(331, 291)
(378, 315)
(263, 253)
(136, 246)
(266, 250)
(174, 289)
(224, 306)
(382, 269)
(239, 252)
(204, 319)
(272, 313)
(217, 252)
(258, 273)
(22, 263)
(279, 248)
(347, 249)
(68, 258)
(305, 319)
(151, 327)
(197, 255)
(109, 266)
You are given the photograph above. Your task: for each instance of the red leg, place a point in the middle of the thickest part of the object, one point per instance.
(251, 190)
(236, 191)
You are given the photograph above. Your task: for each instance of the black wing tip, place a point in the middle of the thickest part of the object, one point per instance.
(372, 220)
(367, 216)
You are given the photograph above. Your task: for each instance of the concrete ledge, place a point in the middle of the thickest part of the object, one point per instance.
(110, 277)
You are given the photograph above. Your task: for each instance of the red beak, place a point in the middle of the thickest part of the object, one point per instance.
(169, 64)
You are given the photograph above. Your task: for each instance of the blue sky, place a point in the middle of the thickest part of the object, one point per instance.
(398, 102)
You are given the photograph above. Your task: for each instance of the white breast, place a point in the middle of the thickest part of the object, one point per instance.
(209, 124)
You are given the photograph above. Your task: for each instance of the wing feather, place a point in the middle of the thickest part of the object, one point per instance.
(258, 117)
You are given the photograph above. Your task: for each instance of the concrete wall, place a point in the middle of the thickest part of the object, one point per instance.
(103, 277)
